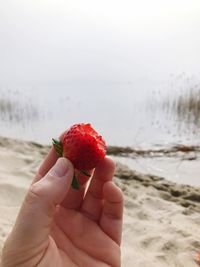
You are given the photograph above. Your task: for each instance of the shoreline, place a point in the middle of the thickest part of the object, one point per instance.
(161, 218)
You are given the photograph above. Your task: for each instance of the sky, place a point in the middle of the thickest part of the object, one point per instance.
(98, 41)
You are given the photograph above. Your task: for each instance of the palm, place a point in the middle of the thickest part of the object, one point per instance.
(78, 241)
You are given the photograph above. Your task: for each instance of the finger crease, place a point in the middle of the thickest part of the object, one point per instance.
(112, 216)
(89, 215)
(96, 195)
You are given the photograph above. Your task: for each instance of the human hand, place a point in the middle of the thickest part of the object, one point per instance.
(62, 227)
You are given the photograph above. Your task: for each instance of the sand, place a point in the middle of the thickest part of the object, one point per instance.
(161, 219)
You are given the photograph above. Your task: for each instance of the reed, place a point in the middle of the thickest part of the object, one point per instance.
(188, 107)
(16, 111)
(185, 107)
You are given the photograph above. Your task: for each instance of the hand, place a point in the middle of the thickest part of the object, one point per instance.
(58, 226)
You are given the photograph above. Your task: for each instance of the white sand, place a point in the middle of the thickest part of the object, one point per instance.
(161, 221)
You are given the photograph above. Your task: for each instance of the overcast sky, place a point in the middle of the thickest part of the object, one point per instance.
(107, 40)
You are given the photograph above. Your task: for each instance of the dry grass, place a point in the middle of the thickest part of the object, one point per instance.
(17, 112)
(185, 107)
(188, 107)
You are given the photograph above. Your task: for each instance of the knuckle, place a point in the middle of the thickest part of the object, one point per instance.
(33, 195)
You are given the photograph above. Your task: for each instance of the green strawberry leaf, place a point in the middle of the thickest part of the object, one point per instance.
(58, 147)
(75, 183)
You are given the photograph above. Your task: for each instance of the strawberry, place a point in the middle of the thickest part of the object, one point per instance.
(84, 147)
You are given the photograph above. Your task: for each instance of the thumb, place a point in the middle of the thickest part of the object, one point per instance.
(36, 215)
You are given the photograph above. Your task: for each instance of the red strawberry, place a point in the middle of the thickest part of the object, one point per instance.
(84, 147)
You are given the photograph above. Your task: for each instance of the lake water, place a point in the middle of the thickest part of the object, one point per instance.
(141, 113)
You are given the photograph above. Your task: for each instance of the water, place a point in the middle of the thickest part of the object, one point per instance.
(177, 169)
(141, 113)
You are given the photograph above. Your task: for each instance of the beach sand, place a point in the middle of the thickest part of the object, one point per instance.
(161, 220)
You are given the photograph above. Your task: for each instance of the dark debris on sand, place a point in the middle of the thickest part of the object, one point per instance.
(185, 195)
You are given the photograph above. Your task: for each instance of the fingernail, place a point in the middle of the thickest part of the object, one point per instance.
(61, 168)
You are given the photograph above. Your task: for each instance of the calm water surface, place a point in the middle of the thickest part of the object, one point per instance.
(141, 113)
